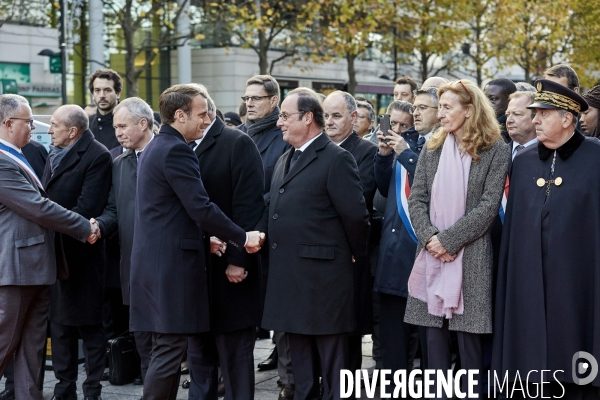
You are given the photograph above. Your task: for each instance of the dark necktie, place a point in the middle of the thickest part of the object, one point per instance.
(192, 144)
(519, 148)
(420, 143)
(293, 160)
(138, 154)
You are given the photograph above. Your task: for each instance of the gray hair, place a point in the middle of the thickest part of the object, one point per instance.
(138, 110)
(212, 108)
(10, 104)
(350, 101)
(431, 91)
(367, 106)
(400, 105)
(76, 117)
(270, 84)
(525, 87)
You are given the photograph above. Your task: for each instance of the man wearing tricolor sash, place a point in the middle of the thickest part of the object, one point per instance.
(27, 254)
(395, 164)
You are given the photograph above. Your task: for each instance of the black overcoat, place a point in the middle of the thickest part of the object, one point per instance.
(118, 216)
(363, 152)
(317, 220)
(168, 289)
(540, 323)
(232, 174)
(80, 183)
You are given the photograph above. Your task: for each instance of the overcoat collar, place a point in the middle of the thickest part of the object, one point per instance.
(563, 151)
(210, 136)
(308, 155)
(350, 143)
(72, 157)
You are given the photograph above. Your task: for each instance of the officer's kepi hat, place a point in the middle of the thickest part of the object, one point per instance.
(554, 95)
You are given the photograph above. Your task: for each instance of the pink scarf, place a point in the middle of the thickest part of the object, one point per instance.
(437, 283)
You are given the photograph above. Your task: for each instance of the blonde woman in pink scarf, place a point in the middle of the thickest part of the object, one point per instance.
(455, 197)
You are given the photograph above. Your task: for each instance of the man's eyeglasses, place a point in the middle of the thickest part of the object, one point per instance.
(421, 108)
(254, 98)
(284, 116)
(23, 119)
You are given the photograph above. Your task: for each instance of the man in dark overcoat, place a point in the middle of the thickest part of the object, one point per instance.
(340, 116)
(318, 222)
(168, 286)
(78, 177)
(548, 289)
(133, 126)
(232, 174)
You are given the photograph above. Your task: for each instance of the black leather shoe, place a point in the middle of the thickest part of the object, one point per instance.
(138, 381)
(279, 383)
(104, 376)
(92, 398)
(7, 395)
(221, 389)
(186, 384)
(269, 363)
(287, 392)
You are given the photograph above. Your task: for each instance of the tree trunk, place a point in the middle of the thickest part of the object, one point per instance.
(351, 74)
(424, 66)
(263, 48)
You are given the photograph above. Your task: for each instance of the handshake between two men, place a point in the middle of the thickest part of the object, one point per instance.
(217, 246)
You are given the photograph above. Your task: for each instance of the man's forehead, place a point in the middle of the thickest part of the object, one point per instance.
(255, 88)
(403, 86)
(102, 83)
(423, 98)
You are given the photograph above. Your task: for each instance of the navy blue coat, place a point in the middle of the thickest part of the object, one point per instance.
(168, 289)
(396, 249)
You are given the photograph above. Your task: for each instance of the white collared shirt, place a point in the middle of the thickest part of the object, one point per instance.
(137, 152)
(515, 145)
(198, 141)
(12, 146)
(305, 145)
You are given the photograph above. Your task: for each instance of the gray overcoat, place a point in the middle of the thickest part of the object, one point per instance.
(472, 231)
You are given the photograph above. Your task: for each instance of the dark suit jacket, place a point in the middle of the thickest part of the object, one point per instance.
(168, 290)
(363, 152)
(103, 130)
(396, 248)
(36, 154)
(317, 220)
(118, 216)
(232, 174)
(271, 146)
(112, 275)
(80, 183)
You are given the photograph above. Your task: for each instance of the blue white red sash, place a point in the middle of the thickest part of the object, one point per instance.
(21, 160)
(502, 211)
(402, 193)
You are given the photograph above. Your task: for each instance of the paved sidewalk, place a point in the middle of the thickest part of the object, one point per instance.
(266, 382)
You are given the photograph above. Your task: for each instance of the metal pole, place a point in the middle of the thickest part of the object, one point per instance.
(96, 37)
(184, 51)
(63, 50)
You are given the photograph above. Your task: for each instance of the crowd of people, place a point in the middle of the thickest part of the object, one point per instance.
(464, 235)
